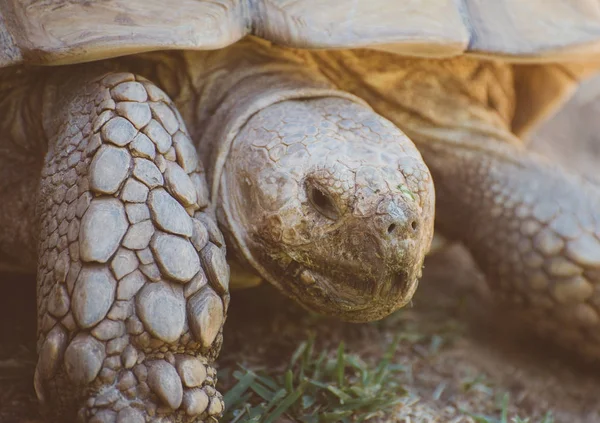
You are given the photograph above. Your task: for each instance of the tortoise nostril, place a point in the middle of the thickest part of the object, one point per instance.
(391, 228)
(414, 225)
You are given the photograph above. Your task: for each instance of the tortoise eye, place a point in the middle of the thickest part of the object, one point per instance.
(322, 202)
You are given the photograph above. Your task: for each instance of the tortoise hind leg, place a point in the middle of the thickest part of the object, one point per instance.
(129, 323)
(532, 228)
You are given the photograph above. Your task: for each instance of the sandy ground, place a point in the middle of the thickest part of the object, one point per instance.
(461, 354)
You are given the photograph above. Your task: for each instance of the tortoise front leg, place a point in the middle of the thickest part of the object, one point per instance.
(129, 323)
(533, 229)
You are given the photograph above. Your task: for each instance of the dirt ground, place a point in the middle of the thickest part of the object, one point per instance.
(460, 354)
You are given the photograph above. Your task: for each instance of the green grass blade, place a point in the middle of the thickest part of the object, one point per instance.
(504, 413)
(341, 365)
(234, 395)
(285, 404)
(262, 391)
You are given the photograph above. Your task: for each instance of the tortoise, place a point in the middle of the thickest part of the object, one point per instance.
(306, 138)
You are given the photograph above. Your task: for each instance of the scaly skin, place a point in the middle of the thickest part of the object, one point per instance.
(533, 228)
(132, 277)
(132, 290)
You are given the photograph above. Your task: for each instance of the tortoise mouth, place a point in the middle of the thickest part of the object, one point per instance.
(355, 301)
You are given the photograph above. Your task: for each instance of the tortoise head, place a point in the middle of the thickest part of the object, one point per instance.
(332, 204)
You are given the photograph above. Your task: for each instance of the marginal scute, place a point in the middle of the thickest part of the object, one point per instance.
(161, 307)
(175, 256)
(83, 359)
(109, 169)
(96, 243)
(165, 383)
(93, 295)
(205, 316)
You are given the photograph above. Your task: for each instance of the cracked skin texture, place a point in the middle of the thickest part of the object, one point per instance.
(341, 193)
(125, 330)
(312, 189)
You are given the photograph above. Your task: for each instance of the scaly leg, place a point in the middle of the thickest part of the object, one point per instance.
(532, 228)
(132, 280)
